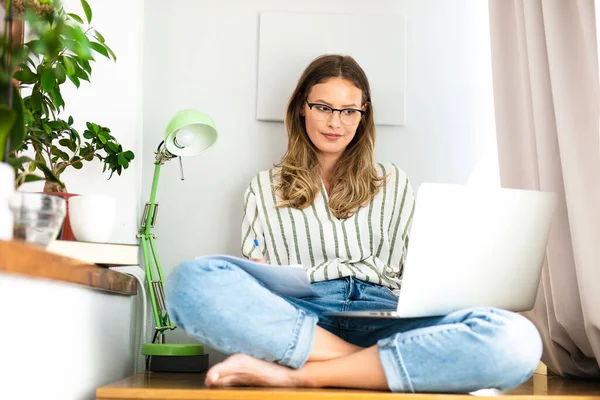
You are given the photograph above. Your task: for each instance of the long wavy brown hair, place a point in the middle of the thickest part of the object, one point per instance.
(355, 181)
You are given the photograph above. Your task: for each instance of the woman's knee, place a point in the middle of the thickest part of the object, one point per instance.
(194, 272)
(514, 347)
(194, 283)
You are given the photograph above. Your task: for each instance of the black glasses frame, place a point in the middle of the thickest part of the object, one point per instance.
(311, 105)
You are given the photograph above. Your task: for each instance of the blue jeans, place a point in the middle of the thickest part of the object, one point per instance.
(227, 309)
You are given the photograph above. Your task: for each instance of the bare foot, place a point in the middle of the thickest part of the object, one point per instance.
(244, 370)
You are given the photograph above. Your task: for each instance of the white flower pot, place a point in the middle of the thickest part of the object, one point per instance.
(7, 189)
(92, 217)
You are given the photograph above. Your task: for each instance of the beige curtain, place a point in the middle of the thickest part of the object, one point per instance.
(546, 93)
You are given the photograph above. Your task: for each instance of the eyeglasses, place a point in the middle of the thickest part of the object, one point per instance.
(348, 116)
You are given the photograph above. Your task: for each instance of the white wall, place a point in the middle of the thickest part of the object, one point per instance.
(203, 54)
(112, 99)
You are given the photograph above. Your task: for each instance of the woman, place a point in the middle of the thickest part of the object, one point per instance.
(328, 207)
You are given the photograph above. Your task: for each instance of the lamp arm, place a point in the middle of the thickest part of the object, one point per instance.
(152, 266)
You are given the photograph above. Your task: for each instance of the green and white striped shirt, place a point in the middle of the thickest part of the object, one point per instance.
(370, 245)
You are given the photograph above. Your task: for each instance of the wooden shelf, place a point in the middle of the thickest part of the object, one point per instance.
(24, 259)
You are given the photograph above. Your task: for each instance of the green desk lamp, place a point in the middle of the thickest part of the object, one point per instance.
(189, 132)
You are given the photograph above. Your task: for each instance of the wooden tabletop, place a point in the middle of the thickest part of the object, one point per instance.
(25, 259)
(184, 386)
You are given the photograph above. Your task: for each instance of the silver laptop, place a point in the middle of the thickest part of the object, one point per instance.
(472, 247)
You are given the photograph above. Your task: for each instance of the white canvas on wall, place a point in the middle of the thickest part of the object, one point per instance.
(288, 42)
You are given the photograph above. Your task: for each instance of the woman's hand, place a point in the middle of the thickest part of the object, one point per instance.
(258, 260)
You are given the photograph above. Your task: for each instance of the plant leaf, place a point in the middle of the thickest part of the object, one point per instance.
(99, 37)
(99, 48)
(36, 101)
(75, 17)
(129, 155)
(7, 119)
(68, 65)
(56, 125)
(17, 133)
(57, 97)
(60, 73)
(25, 75)
(113, 147)
(59, 153)
(48, 79)
(37, 46)
(74, 135)
(17, 162)
(33, 178)
(81, 74)
(68, 144)
(86, 65)
(48, 174)
(87, 10)
(75, 80)
(111, 53)
(82, 49)
(68, 31)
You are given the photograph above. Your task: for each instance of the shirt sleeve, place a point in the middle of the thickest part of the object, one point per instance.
(252, 229)
(402, 219)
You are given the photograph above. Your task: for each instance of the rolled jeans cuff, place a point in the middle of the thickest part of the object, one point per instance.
(393, 365)
(302, 340)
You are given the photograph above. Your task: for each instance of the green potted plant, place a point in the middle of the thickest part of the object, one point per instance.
(12, 127)
(62, 48)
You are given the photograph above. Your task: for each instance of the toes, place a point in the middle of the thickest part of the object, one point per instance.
(241, 369)
(228, 367)
(211, 378)
(230, 380)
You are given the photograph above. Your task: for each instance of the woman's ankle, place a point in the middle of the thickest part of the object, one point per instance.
(305, 376)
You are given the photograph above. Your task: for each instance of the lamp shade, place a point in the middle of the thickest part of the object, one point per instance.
(190, 132)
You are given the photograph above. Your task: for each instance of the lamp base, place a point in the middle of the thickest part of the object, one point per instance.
(167, 357)
(178, 363)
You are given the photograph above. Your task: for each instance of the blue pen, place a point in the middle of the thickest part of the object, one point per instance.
(256, 246)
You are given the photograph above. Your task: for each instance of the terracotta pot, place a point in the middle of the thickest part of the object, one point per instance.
(66, 233)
